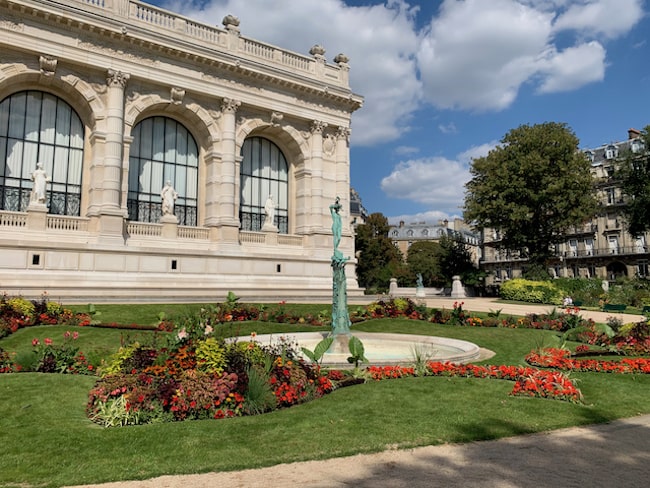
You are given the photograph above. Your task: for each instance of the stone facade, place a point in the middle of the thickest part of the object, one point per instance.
(404, 235)
(122, 66)
(602, 248)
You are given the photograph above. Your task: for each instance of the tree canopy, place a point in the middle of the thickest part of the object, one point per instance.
(531, 188)
(634, 175)
(378, 259)
(424, 258)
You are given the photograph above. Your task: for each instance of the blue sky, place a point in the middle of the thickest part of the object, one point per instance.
(445, 80)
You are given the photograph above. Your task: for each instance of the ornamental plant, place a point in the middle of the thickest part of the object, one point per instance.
(63, 358)
(7, 364)
(561, 359)
(199, 379)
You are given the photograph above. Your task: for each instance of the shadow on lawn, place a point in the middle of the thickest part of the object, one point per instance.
(604, 455)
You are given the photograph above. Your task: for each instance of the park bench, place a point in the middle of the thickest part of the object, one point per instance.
(614, 307)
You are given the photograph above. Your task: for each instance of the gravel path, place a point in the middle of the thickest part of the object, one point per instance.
(616, 454)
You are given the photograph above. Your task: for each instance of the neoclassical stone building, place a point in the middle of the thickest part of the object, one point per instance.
(115, 98)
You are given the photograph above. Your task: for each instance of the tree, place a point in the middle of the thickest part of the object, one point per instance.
(531, 188)
(456, 259)
(634, 176)
(378, 258)
(424, 258)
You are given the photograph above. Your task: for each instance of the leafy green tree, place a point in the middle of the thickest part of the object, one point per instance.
(378, 258)
(456, 259)
(634, 175)
(424, 258)
(531, 188)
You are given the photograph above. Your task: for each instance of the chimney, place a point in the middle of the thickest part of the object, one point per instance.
(633, 133)
(401, 224)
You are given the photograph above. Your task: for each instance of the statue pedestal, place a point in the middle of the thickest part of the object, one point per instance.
(457, 288)
(37, 216)
(270, 228)
(419, 292)
(169, 226)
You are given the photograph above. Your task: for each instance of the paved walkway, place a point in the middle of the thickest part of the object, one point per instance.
(481, 304)
(616, 454)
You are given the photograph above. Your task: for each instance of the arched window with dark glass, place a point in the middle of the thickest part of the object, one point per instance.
(38, 127)
(264, 172)
(162, 150)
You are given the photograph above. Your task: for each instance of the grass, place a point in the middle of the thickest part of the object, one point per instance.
(48, 441)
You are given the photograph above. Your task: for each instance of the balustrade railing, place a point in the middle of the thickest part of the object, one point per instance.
(144, 229)
(160, 20)
(201, 233)
(67, 223)
(13, 219)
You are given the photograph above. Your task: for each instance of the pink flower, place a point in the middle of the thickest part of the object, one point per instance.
(75, 336)
(66, 335)
(35, 341)
(48, 341)
(182, 334)
(208, 329)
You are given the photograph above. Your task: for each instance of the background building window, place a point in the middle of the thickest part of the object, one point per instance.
(162, 150)
(37, 127)
(264, 172)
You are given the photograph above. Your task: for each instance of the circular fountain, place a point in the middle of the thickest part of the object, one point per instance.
(382, 349)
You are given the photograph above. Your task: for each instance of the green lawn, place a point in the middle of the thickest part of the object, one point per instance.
(47, 441)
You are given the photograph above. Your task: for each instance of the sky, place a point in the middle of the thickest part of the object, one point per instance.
(444, 81)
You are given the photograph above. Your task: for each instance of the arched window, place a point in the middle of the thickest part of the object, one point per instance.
(162, 150)
(264, 172)
(37, 127)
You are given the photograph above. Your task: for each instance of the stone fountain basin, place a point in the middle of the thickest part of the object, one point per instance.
(380, 348)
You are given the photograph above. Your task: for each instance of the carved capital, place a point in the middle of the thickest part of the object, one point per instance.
(117, 78)
(343, 133)
(229, 105)
(47, 65)
(318, 126)
(177, 95)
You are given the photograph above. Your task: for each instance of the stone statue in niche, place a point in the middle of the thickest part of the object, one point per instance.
(269, 215)
(168, 195)
(40, 179)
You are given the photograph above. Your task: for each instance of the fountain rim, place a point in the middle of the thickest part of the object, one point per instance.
(468, 351)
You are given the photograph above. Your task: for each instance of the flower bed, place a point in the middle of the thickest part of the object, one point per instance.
(528, 381)
(561, 359)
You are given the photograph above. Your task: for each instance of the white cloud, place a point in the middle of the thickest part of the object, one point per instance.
(430, 217)
(406, 150)
(474, 55)
(573, 67)
(476, 152)
(380, 41)
(449, 128)
(610, 18)
(436, 182)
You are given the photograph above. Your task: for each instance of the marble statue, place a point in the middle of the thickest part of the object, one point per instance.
(269, 215)
(168, 196)
(40, 179)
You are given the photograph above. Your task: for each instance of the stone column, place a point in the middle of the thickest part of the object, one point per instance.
(302, 178)
(317, 203)
(112, 214)
(227, 221)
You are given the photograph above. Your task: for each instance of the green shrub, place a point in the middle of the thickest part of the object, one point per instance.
(531, 291)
